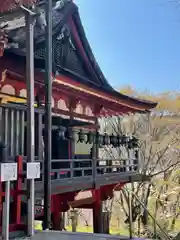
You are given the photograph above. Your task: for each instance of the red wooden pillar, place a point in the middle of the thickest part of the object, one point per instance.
(97, 212)
(57, 214)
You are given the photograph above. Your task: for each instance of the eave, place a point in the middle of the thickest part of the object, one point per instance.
(113, 100)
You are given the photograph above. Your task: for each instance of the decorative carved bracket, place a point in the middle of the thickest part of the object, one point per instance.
(73, 104)
(3, 40)
(97, 109)
(3, 77)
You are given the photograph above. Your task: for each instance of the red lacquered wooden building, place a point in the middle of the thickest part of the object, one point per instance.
(81, 95)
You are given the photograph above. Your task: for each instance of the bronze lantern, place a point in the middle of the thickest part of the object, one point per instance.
(113, 140)
(90, 137)
(81, 136)
(99, 138)
(61, 132)
(105, 139)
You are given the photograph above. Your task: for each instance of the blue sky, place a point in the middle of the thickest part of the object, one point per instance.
(136, 42)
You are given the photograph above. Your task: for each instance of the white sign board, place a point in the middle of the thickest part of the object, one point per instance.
(8, 172)
(33, 170)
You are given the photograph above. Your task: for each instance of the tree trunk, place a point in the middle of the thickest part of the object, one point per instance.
(139, 227)
(145, 212)
(105, 216)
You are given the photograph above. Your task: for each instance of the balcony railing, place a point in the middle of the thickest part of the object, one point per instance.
(77, 174)
(13, 128)
(76, 168)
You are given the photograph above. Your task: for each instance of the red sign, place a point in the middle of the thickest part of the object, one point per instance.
(10, 5)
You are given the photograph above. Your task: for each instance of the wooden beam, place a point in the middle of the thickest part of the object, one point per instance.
(82, 202)
(10, 98)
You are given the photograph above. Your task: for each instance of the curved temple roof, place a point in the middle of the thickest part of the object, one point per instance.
(11, 5)
(72, 54)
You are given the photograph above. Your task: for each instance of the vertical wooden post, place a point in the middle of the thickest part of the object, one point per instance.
(48, 117)
(97, 205)
(39, 136)
(17, 199)
(6, 209)
(56, 219)
(97, 212)
(29, 19)
(56, 215)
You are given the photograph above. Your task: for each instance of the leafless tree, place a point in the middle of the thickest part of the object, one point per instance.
(159, 141)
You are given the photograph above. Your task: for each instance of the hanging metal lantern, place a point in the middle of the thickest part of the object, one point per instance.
(61, 132)
(70, 134)
(113, 140)
(67, 134)
(136, 154)
(129, 144)
(133, 143)
(105, 139)
(3, 152)
(123, 140)
(81, 136)
(99, 138)
(118, 140)
(90, 137)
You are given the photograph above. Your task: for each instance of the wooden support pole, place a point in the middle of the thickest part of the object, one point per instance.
(57, 221)
(56, 215)
(18, 187)
(97, 212)
(48, 118)
(97, 205)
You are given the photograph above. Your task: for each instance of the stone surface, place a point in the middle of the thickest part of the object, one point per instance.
(53, 235)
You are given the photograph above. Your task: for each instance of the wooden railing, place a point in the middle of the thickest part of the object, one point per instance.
(13, 125)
